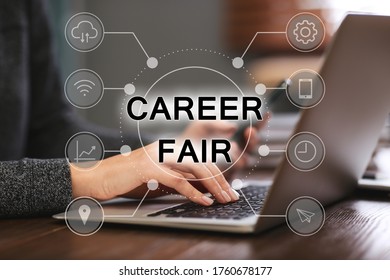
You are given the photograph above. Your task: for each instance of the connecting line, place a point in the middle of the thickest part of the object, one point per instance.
(112, 151)
(254, 37)
(275, 88)
(129, 33)
(277, 151)
(135, 211)
(113, 88)
(257, 215)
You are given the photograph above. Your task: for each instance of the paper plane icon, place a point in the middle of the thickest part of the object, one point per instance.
(304, 215)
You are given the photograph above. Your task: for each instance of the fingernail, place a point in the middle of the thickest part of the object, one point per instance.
(234, 194)
(226, 196)
(207, 200)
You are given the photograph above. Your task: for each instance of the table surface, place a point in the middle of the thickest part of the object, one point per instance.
(355, 228)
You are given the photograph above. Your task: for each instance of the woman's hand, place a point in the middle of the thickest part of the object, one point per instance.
(120, 174)
(128, 175)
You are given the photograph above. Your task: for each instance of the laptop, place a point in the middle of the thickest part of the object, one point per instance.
(348, 120)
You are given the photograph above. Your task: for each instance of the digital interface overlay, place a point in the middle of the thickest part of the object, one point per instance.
(84, 88)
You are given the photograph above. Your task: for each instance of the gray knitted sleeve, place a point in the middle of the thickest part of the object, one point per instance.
(32, 187)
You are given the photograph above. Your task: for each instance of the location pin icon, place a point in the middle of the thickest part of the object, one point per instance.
(84, 212)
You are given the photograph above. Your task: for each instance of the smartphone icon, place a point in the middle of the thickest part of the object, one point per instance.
(305, 88)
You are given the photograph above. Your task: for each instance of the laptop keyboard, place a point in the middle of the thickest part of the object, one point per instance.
(235, 211)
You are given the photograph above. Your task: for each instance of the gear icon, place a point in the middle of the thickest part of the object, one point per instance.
(305, 32)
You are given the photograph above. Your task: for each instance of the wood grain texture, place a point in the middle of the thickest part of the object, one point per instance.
(357, 228)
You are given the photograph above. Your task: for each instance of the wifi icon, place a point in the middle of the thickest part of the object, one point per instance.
(84, 87)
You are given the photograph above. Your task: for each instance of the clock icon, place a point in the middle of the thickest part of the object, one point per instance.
(305, 151)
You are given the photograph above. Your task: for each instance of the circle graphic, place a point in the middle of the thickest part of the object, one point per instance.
(305, 216)
(182, 69)
(84, 88)
(129, 89)
(305, 32)
(125, 150)
(84, 151)
(152, 62)
(84, 32)
(237, 184)
(305, 88)
(84, 216)
(238, 62)
(305, 151)
(193, 74)
(264, 150)
(152, 184)
(260, 89)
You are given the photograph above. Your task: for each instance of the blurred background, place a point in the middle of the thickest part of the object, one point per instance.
(226, 26)
(223, 25)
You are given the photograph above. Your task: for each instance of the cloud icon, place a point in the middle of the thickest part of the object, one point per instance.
(84, 31)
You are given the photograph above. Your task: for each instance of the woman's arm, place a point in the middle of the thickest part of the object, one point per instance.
(31, 187)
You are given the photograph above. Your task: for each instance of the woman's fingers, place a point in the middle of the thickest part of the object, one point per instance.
(213, 180)
(213, 185)
(234, 196)
(178, 182)
(210, 177)
(208, 180)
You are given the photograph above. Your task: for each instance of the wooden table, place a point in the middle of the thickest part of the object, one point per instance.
(356, 228)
